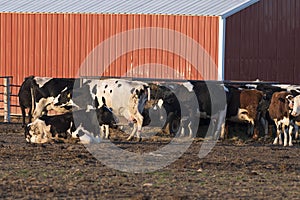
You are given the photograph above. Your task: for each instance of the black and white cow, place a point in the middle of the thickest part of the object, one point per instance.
(184, 103)
(25, 100)
(173, 107)
(127, 99)
(212, 104)
(83, 124)
(81, 96)
(41, 94)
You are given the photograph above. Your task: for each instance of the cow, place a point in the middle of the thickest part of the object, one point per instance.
(25, 101)
(167, 110)
(81, 96)
(269, 90)
(127, 99)
(294, 106)
(175, 106)
(294, 125)
(244, 106)
(212, 104)
(181, 108)
(41, 94)
(279, 111)
(184, 103)
(82, 124)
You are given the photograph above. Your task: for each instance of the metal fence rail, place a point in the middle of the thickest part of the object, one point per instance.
(6, 95)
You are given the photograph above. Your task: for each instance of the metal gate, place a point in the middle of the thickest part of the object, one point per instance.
(8, 97)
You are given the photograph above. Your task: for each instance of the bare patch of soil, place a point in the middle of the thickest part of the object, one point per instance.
(234, 169)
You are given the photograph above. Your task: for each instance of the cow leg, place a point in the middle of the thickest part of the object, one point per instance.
(285, 125)
(213, 132)
(285, 136)
(220, 128)
(134, 130)
(250, 129)
(278, 133)
(139, 119)
(183, 126)
(182, 131)
(23, 116)
(106, 131)
(265, 126)
(186, 124)
(290, 135)
(30, 114)
(102, 131)
(296, 132)
(138, 134)
(190, 129)
(105, 128)
(255, 133)
(280, 138)
(222, 134)
(225, 131)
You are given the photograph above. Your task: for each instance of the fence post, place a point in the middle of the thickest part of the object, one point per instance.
(6, 99)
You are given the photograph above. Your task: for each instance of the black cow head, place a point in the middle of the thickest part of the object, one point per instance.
(105, 114)
(64, 99)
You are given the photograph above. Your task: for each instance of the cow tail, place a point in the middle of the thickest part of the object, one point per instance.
(148, 93)
(32, 100)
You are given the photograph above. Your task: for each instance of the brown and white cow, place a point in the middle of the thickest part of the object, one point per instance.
(279, 111)
(243, 105)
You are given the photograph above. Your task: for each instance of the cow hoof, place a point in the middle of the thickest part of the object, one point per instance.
(140, 139)
(129, 138)
(255, 137)
(290, 145)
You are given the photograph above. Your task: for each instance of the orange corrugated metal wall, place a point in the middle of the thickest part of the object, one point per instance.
(263, 41)
(55, 45)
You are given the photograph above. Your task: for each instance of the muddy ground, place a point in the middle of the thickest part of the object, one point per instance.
(234, 169)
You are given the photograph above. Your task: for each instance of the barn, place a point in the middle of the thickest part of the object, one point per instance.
(211, 40)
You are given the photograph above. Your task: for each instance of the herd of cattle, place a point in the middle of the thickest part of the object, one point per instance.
(89, 107)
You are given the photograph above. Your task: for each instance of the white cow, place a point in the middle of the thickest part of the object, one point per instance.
(126, 99)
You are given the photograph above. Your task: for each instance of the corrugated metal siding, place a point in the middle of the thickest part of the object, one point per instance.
(55, 45)
(170, 7)
(262, 42)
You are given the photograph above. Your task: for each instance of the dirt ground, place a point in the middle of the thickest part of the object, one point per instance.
(234, 169)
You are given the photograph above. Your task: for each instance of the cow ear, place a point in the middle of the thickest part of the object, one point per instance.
(69, 95)
(96, 102)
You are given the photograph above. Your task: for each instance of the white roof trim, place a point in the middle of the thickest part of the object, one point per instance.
(238, 8)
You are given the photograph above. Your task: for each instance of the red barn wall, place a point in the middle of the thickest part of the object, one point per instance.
(263, 41)
(55, 45)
